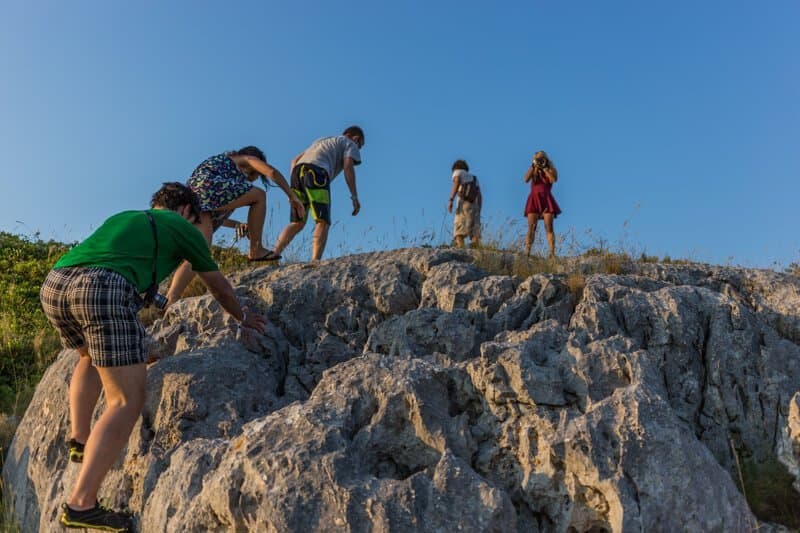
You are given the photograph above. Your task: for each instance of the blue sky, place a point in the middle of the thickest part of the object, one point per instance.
(674, 125)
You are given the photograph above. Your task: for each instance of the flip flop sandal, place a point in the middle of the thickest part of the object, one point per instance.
(269, 256)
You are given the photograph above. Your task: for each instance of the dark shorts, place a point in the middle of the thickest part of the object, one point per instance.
(312, 186)
(96, 308)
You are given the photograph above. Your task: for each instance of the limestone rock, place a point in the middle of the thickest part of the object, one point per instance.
(414, 391)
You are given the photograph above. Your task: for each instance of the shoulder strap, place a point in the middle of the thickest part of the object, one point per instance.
(155, 247)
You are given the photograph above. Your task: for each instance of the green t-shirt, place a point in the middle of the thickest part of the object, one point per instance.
(124, 244)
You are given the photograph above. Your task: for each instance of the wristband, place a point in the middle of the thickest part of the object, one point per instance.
(244, 317)
(354, 197)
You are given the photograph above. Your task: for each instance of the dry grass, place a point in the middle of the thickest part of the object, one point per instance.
(576, 282)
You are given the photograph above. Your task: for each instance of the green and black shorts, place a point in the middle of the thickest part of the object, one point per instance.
(312, 186)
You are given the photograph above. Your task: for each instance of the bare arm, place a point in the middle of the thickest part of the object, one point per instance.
(551, 174)
(350, 179)
(265, 169)
(529, 174)
(222, 291)
(453, 191)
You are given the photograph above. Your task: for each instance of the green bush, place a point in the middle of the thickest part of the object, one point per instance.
(27, 341)
(769, 491)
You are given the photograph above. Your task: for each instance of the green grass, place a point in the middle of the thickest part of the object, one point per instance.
(27, 342)
(769, 491)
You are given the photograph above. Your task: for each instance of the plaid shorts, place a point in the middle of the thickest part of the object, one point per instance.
(96, 308)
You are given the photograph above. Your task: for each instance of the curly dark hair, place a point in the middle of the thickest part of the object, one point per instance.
(173, 195)
(252, 151)
(460, 164)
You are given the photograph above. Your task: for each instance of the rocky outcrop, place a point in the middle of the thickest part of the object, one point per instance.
(413, 391)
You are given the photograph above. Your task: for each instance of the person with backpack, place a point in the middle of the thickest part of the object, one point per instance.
(467, 222)
(92, 297)
(541, 204)
(313, 170)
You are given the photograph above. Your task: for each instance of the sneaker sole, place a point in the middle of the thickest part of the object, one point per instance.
(74, 524)
(81, 525)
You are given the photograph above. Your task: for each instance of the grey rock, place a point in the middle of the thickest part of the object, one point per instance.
(413, 391)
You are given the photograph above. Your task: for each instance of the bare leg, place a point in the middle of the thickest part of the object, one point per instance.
(459, 241)
(475, 239)
(320, 239)
(84, 390)
(124, 387)
(551, 236)
(286, 236)
(184, 274)
(257, 200)
(533, 219)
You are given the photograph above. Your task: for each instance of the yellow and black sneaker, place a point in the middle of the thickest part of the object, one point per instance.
(75, 451)
(98, 517)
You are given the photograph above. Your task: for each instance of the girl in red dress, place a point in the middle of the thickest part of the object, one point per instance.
(541, 204)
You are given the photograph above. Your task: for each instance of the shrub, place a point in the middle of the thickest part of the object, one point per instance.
(769, 491)
(28, 343)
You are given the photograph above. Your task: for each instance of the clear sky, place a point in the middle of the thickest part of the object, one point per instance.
(675, 126)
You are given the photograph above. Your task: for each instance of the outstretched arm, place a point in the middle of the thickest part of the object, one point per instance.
(239, 227)
(265, 169)
(222, 291)
(350, 178)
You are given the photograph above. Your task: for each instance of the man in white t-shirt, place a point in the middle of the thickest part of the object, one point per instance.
(467, 222)
(312, 173)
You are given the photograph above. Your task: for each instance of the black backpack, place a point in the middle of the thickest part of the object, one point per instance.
(468, 192)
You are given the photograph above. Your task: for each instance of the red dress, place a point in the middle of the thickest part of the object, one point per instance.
(541, 200)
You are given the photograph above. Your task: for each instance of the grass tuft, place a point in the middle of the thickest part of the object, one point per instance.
(769, 491)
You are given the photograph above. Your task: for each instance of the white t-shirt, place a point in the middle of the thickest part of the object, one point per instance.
(330, 153)
(463, 176)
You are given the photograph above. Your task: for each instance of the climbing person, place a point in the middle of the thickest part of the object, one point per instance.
(91, 297)
(313, 170)
(223, 183)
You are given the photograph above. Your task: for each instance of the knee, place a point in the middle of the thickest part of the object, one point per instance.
(259, 195)
(131, 405)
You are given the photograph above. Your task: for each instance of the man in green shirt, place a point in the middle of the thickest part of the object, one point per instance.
(92, 297)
